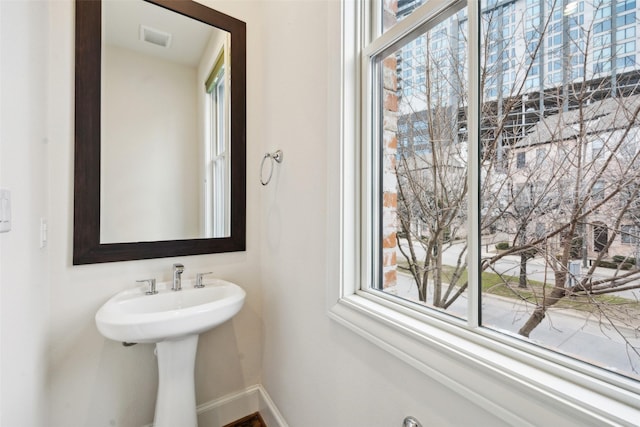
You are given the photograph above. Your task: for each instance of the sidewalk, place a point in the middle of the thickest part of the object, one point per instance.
(536, 267)
(565, 330)
(537, 270)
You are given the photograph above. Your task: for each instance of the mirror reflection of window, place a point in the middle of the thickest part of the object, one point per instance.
(157, 78)
(217, 149)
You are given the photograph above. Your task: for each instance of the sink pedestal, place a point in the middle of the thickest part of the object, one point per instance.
(176, 402)
(173, 321)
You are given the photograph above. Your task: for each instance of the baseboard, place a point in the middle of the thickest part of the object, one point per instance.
(269, 411)
(227, 409)
(232, 407)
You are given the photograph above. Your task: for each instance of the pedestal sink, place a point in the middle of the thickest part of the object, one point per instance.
(172, 320)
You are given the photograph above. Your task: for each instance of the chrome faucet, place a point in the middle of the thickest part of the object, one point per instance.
(178, 269)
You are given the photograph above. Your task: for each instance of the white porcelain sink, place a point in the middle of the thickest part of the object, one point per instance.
(134, 317)
(173, 320)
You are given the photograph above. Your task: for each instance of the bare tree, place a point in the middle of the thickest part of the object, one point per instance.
(598, 179)
(431, 167)
(558, 182)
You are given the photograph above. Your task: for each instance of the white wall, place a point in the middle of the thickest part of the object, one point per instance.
(24, 286)
(318, 373)
(97, 382)
(150, 160)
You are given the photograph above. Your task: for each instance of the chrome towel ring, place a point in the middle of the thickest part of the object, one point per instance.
(276, 157)
(411, 422)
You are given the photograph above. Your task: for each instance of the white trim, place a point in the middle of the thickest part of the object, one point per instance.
(269, 411)
(428, 13)
(473, 169)
(234, 406)
(349, 153)
(520, 390)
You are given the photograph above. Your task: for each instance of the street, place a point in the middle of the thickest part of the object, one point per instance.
(564, 330)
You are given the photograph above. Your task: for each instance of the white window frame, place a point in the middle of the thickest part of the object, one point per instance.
(217, 189)
(529, 385)
(220, 143)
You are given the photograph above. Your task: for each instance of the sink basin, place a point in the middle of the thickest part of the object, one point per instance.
(132, 316)
(173, 320)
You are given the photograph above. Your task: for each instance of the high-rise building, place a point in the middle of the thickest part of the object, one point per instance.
(537, 56)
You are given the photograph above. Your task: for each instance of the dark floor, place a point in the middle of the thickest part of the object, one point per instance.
(253, 420)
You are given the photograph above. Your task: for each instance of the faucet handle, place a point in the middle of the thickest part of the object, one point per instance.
(199, 276)
(152, 286)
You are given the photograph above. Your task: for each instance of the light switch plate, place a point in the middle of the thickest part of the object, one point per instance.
(5, 210)
(44, 233)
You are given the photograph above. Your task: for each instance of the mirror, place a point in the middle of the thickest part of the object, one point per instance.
(160, 130)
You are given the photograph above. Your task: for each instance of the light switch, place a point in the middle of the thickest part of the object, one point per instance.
(5, 211)
(43, 233)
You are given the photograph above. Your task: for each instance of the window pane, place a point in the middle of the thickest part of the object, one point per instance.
(392, 13)
(553, 267)
(216, 221)
(424, 175)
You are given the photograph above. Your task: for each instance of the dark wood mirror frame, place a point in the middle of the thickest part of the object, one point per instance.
(87, 248)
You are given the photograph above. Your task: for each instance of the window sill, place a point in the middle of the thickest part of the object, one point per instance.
(524, 388)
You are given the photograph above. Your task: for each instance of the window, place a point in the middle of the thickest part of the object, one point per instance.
(429, 274)
(596, 148)
(602, 67)
(421, 248)
(629, 234)
(602, 26)
(625, 5)
(603, 12)
(628, 47)
(602, 40)
(597, 192)
(626, 61)
(626, 33)
(540, 156)
(532, 82)
(602, 53)
(627, 19)
(600, 237)
(431, 183)
(217, 189)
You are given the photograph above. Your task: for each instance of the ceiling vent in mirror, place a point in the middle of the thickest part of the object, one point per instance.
(157, 37)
